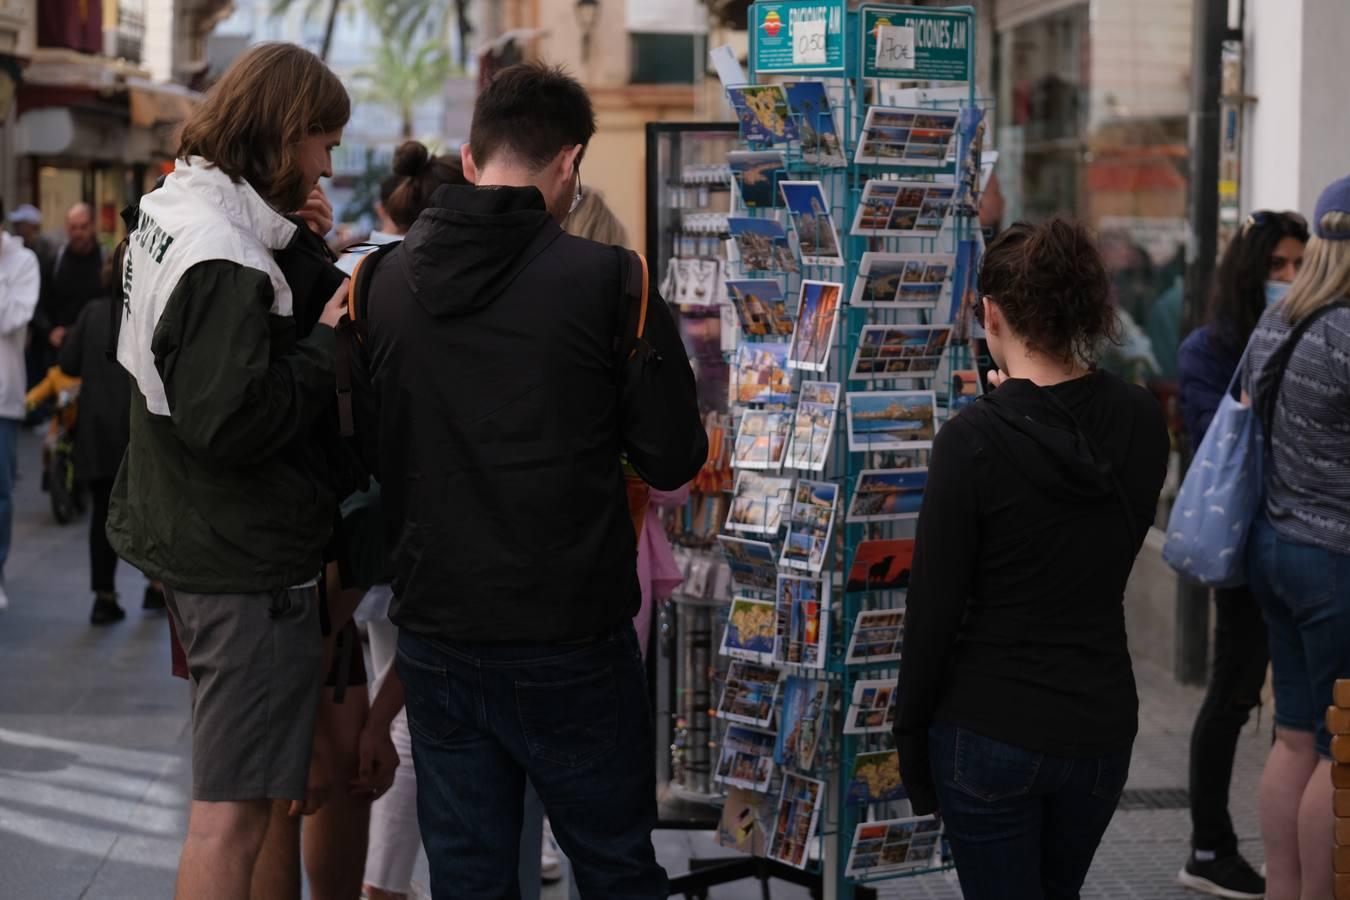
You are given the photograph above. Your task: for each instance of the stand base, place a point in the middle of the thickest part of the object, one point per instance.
(706, 873)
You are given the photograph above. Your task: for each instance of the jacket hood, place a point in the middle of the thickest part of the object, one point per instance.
(1033, 427)
(236, 200)
(464, 249)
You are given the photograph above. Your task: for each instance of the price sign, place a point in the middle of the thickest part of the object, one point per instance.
(798, 36)
(808, 43)
(916, 43)
(895, 48)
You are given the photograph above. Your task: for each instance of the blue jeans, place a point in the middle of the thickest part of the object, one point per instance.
(575, 719)
(1304, 594)
(1022, 825)
(9, 469)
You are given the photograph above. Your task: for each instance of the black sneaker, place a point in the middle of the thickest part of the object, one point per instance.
(106, 611)
(154, 598)
(1229, 876)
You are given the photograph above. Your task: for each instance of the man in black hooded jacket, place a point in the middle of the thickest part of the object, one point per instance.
(504, 410)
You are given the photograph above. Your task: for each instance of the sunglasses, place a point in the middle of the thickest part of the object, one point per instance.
(1263, 217)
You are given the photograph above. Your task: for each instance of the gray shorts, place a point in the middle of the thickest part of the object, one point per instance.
(253, 663)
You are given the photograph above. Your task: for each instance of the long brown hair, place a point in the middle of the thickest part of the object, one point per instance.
(253, 119)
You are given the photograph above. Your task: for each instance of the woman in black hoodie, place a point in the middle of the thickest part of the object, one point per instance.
(1017, 701)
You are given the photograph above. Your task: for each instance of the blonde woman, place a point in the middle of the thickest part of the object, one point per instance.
(1298, 555)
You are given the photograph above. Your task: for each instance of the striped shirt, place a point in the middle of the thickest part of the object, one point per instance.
(1308, 490)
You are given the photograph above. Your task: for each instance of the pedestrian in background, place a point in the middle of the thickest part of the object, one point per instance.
(1017, 709)
(1298, 553)
(1256, 271)
(19, 287)
(76, 278)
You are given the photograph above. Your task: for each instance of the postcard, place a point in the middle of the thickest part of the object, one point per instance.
(762, 245)
(902, 208)
(878, 636)
(882, 565)
(810, 211)
(810, 525)
(898, 351)
(804, 615)
(901, 280)
(798, 815)
(873, 708)
(762, 439)
(898, 136)
(763, 113)
(747, 821)
(894, 845)
(757, 173)
(752, 630)
(965, 389)
(747, 758)
(761, 307)
(749, 694)
(813, 426)
(817, 319)
(810, 105)
(754, 564)
(875, 778)
(759, 503)
(890, 420)
(800, 725)
(760, 374)
(885, 495)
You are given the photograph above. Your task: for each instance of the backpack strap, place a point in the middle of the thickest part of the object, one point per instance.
(635, 294)
(1266, 390)
(354, 330)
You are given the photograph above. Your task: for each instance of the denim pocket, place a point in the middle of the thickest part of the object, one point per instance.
(1112, 774)
(426, 691)
(571, 722)
(991, 770)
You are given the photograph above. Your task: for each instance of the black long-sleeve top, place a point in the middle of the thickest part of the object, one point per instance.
(1015, 625)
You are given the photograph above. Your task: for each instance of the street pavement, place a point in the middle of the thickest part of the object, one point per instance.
(95, 743)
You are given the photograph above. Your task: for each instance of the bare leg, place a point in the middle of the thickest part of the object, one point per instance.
(277, 876)
(1292, 761)
(221, 850)
(335, 837)
(1316, 823)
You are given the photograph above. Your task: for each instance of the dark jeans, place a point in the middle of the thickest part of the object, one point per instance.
(1240, 658)
(1022, 825)
(575, 719)
(102, 557)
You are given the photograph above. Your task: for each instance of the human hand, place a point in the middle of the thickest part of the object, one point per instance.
(336, 307)
(376, 761)
(317, 212)
(57, 336)
(996, 379)
(320, 778)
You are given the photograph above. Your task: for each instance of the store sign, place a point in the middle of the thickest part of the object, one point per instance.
(916, 44)
(798, 36)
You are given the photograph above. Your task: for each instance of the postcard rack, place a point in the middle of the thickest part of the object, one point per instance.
(862, 217)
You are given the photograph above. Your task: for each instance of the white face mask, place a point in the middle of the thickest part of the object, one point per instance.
(1275, 291)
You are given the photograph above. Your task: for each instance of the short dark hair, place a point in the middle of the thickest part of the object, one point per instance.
(530, 111)
(1238, 296)
(419, 174)
(1050, 283)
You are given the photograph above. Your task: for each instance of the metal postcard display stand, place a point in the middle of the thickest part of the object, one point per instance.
(882, 204)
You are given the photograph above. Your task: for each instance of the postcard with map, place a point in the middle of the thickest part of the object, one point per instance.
(798, 815)
(902, 208)
(881, 565)
(760, 374)
(761, 439)
(887, 495)
(898, 136)
(813, 426)
(894, 845)
(817, 239)
(749, 694)
(757, 173)
(875, 778)
(810, 105)
(747, 758)
(902, 280)
(761, 307)
(762, 245)
(747, 821)
(890, 420)
(752, 630)
(801, 723)
(878, 636)
(762, 110)
(754, 564)
(873, 708)
(817, 319)
(899, 351)
(810, 525)
(759, 503)
(804, 613)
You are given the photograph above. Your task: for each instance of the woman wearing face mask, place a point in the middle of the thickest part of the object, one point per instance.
(1255, 272)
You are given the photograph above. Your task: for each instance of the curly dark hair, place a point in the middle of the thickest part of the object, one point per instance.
(1051, 286)
(1238, 297)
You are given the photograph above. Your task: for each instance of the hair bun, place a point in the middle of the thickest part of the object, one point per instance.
(411, 159)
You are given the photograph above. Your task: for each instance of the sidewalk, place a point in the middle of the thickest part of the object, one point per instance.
(94, 744)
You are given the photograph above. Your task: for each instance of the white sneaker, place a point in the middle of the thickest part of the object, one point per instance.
(550, 857)
(4, 598)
